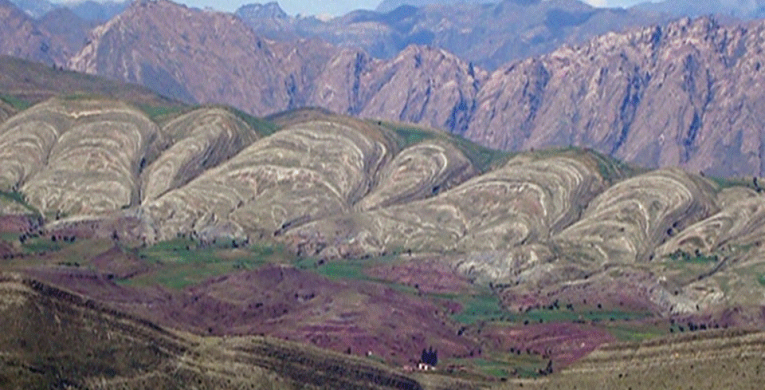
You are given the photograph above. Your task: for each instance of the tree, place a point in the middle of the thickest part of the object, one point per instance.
(429, 356)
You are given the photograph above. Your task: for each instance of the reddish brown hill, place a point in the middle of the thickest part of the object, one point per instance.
(201, 56)
(420, 85)
(214, 57)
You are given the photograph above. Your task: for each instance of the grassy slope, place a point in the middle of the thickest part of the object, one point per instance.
(54, 338)
(708, 360)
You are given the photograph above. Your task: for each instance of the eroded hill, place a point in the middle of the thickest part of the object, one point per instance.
(209, 221)
(336, 188)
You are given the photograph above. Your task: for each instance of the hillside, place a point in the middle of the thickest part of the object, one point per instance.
(21, 37)
(660, 96)
(55, 338)
(199, 229)
(728, 360)
(371, 238)
(186, 61)
(336, 187)
(24, 83)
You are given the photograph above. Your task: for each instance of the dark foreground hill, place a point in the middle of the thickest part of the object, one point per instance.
(53, 338)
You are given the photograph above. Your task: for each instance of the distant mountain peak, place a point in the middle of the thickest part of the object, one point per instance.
(270, 10)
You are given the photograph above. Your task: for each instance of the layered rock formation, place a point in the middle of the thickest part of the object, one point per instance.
(201, 140)
(77, 157)
(305, 172)
(541, 224)
(522, 202)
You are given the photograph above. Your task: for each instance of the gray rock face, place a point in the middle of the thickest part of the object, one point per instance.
(681, 95)
(685, 94)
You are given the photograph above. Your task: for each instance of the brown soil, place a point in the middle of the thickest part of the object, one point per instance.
(18, 224)
(6, 250)
(289, 304)
(118, 264)
(560, 342)
(427, 275)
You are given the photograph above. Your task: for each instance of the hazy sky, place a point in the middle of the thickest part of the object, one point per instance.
(335, 7)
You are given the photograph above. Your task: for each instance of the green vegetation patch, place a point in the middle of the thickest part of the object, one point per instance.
(636, 332)
(498, 366)
(181, 263)
(161, 113)
(18, 197)
(15, 102)
(354, 269)
(697, 257)
(262, 127)
(44, 245)
(563, 314)
(477, 308)
(484, 159)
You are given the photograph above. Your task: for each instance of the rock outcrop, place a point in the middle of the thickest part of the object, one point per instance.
(683, 94)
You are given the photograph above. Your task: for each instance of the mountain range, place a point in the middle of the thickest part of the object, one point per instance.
(86, 9)
(737, 9)
(673, 94)
(213, 224)
(485, 34)
(668, 95)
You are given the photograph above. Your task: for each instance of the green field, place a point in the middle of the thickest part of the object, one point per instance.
(181, 263)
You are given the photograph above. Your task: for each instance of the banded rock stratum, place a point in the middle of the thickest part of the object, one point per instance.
(335, 187)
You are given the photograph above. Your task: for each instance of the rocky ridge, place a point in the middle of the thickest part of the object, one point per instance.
(488, 34)
(660, 96)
